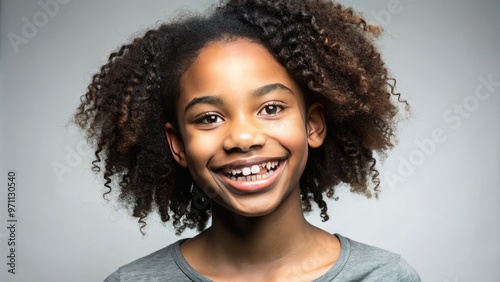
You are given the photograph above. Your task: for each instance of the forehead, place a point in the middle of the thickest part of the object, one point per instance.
(234, 55)
(239, 67)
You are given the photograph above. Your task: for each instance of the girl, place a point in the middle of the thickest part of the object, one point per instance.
(245, 115)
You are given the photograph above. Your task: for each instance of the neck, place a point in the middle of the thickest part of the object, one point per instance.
(278, 245)
(262, 239)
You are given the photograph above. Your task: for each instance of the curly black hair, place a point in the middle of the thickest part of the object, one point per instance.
(327, 48)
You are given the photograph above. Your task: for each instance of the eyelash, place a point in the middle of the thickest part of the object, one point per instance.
(280, 107)
(203, 118)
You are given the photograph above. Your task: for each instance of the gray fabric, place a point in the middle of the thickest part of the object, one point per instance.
(357, 262)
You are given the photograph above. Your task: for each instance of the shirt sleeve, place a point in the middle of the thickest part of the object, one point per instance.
(113, 277)
(406, 273)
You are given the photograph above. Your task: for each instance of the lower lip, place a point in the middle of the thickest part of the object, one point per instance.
(245, 187)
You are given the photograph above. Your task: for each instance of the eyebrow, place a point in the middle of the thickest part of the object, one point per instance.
(213, 100)
(216, 100)
(261, 91)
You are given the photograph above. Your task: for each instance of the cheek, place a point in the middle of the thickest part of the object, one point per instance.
(200, 147)
(290, 131)
(292, 135)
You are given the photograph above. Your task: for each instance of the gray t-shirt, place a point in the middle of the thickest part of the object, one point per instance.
(357, 262)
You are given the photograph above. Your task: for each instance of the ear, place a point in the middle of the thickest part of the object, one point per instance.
(316, 126)
(175, 144)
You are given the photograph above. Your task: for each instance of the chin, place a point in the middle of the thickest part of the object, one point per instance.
(254, 207)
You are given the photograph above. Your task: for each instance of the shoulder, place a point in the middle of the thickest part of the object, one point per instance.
(369, 263)
(153, 267)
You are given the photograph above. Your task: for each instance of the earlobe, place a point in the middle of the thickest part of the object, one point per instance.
(316, 126)
(175, 144)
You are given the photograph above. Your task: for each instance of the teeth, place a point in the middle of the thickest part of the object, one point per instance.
(254, 169)
(254, 177)
(246, 171)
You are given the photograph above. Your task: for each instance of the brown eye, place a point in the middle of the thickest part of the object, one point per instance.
(210, 118)
(271, 109)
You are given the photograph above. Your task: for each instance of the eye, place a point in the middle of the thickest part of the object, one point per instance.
(272, 109)
(209, 118)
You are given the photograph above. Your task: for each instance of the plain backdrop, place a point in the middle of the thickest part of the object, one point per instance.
(440, 202)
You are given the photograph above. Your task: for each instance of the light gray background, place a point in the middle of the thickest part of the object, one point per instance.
(439, 207)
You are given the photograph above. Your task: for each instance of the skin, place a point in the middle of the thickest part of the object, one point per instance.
(239, 108)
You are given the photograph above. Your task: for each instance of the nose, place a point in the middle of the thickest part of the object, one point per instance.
(244, 134)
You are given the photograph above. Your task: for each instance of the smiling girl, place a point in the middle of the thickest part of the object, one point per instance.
(245, 115)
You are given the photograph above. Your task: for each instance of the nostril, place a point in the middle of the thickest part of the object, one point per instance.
(243, 136)
(242, 149)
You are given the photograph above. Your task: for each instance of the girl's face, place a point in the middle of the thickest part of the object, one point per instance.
(243, 127)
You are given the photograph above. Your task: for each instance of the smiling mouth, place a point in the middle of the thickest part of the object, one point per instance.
(252, 173)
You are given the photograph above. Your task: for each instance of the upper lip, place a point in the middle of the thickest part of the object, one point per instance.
(247, 162)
